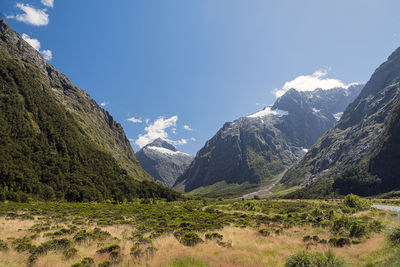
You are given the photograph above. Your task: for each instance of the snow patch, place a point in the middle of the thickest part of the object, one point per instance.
(338, 116)
(268, 111)
(165, 150)
(305, 150)
(316, 110)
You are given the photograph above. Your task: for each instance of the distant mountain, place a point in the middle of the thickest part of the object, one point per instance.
(361, 153)
(254, 150)
(163, 161)
(55, 141)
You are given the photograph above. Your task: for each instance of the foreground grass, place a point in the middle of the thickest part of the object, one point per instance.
(159, 233)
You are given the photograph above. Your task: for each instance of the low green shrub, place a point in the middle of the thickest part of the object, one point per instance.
(214, 236)
(264, 232)
(190, 238)
(356, 202)
(108, 249)
(70, 253)
(308, 259)
(394, 236)
(3, 245)
(105, 263)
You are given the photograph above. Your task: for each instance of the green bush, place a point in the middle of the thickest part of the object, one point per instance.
(70, 253)
(190, 238)
(394, 236)
(308, 259)
(358, 228)
(105, 263)
(108, 249)
(300, 259)
(356, 202)
(214, 236)
(264, 232)
(3, 245)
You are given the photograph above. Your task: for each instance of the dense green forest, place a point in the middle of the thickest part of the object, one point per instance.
(45, 154)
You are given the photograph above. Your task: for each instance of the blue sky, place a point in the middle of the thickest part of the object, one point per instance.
(187, 66)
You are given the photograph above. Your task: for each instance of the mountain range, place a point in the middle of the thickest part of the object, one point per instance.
(255, 150)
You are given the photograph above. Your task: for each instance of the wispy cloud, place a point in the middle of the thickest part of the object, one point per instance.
(134, 120)
(49, 3)
(47, 54)
(104, 103)
(187, 127)
(31, 15)
(158, 129)
(310, 83)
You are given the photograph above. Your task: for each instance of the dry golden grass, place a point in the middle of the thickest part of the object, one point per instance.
(249, 248)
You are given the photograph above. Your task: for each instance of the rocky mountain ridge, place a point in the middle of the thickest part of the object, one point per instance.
(346, 158)
(257, 148)
(163, 161)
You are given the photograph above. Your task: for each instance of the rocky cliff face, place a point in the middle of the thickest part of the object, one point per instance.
(163, 161)
(355, 156)
(97, 124)
(255, 149)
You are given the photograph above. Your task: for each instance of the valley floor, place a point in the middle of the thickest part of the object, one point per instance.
(193, 233)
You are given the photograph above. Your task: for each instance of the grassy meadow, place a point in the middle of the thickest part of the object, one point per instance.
(199, 233)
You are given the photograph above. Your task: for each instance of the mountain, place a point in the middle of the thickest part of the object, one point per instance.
(163, 161)
(254, 150)
(56, 142)
(361, 153)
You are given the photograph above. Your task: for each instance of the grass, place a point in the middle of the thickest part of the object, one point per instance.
(231, 232)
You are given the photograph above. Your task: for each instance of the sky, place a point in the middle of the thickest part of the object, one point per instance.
(179, 69)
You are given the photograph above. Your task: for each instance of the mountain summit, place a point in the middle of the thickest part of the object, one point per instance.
(163, 161)
(253, 150)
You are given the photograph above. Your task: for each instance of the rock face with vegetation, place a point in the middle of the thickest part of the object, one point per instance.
(56, 142)
(163, 161)
(361, 153)
(257, 148)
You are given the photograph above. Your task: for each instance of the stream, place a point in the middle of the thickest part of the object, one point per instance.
(390, 208)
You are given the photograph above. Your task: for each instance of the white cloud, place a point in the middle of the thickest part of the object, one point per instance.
(157, 129)
(173, 130)
(32, 41)
(187, 128)
(134, 120)
(49, 3)
(147, 121)
(104, 103)
(47, 54)
(310, 83)
(31, 15)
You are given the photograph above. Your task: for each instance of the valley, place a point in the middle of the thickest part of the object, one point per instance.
(211, 232)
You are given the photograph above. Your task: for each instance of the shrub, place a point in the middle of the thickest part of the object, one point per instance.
(339, 242)
(108, 249)
(190, 238)
(328, 259)
(306, 259)
(306, 238)
(300, 259)
(150, 251)
(3, 245)
(376, 226)
(87, 262)
(214, 236)
(358, 229)
(70, 252)
(356, 202)
(264, 232)
(105, 263)
(136, 252)
(394, 236)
